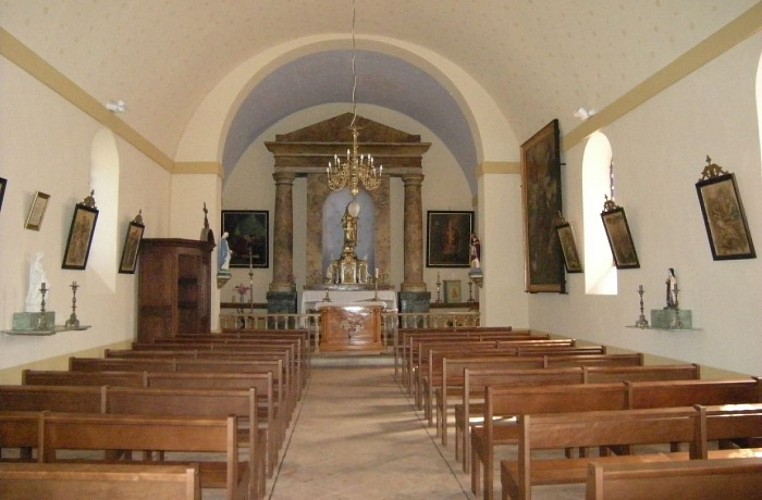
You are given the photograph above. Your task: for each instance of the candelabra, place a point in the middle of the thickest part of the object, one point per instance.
(642, 322)
(73, 322)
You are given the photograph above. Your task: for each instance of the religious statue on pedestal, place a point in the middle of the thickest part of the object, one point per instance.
(348, 269)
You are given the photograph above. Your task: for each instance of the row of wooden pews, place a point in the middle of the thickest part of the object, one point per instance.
(487, 382)
(219, 403)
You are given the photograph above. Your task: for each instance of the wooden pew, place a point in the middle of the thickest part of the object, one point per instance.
(451, 375)
(19, 430)
(200, 403)
(23, 481)
(515, 401)
(594, 429)
(704, 479)
(198, 435)
(77, 399)
(61, 377)
(476, 378)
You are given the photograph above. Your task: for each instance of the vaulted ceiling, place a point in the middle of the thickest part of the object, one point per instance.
(536, 59)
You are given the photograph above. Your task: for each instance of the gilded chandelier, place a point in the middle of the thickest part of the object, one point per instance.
(356, 169)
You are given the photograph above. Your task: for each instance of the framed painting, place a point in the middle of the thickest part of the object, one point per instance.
(3, 184)
(248, 237)
(724, 218)
(80, 237)
(569, 248)
(620, 238)
(36, 210)
(132, 239)
(452, 291)
(448, 241)
(541, 197)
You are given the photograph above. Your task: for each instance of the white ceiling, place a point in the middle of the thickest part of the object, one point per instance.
(537, 59)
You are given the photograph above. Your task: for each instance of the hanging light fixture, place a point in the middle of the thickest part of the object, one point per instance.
(356, 169)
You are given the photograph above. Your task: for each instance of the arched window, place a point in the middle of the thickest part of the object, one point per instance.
(104, 179)
(600, 273)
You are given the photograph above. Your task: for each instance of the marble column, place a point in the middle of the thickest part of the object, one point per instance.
(283, 229)
(413, 277)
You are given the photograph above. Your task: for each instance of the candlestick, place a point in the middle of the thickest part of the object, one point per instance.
(73, 322)
(42, 322)
(642, 322)
(439, 289)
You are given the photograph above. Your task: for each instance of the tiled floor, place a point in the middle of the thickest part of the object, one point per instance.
(356, 435)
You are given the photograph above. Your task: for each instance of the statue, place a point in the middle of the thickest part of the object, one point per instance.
(349, 223)
(671, 289)
(223, 257)
(475, 252)
(37, 277)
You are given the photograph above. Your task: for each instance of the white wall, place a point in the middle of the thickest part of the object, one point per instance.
(659, 151)
(46, 145)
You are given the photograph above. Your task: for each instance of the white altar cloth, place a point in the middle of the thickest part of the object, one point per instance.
(311, 298)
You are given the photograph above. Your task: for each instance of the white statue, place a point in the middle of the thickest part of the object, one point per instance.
(36, 278)
(224, 253)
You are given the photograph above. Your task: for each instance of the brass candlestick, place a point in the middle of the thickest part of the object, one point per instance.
(470, 288)
(439, 289)
(73, 322)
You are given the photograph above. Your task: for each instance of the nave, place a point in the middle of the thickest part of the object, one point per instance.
(356, 435)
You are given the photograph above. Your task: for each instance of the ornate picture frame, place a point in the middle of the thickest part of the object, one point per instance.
(131, 249)
(452, 291)
(572, 260)
(36, 210)
(448, 238)
(620, 238)
(80, 237)
(725, 218)
(3, 185)
(248, 237)
(541, 197)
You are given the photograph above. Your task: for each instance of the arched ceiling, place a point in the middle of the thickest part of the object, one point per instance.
(536, 59)
(326, 77)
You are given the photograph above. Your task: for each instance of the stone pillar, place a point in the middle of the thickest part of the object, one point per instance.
(281, 298)
(413, 278)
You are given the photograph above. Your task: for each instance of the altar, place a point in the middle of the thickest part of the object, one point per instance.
(352, 327)
(311, 298)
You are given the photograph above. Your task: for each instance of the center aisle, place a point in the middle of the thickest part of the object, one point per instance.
(356, 436)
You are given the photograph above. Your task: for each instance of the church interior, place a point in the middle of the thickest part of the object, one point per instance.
(578, 170)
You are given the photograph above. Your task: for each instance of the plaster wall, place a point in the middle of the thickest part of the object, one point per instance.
(659, 151)
(46, 145)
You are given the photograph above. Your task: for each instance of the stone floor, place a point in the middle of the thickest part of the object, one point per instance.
(356, 435)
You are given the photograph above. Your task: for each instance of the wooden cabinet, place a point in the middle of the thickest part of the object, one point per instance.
(174, 290)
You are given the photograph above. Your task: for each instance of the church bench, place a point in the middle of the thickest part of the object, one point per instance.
(22, 481)
(406, 350)
(216, 436)
(452, 377)
(593, 429)
(61, 377)
(508, 402)
(202, 403)
(420, 359)
(515, 401)
(78, 399)
(707, 479)
(19, 430)
(476, 378)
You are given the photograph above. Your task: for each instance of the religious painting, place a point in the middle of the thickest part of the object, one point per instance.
(248, 237)
(448, 242)
(620, 238)
(541, 196)
(452, 291)
(569, 247)
(132, 240)
(80, 238)
(36, 210)
(3, 183)
(724, 218)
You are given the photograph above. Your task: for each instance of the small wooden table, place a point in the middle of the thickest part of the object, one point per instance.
(350, 327)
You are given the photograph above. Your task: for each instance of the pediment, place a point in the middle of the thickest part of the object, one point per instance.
(336, 130)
